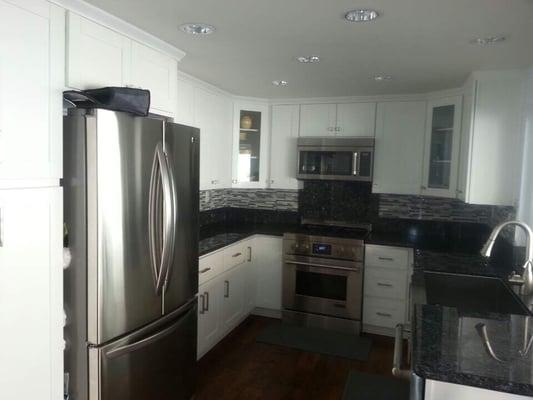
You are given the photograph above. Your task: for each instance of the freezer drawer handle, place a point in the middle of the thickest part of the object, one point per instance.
(120, 351)
(203, 271)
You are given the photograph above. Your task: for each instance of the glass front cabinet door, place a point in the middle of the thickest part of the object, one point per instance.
(441, 155)
(250, 143)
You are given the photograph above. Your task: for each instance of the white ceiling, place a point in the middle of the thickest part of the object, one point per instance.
(423, 44)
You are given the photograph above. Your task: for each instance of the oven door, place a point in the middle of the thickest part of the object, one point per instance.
(313, 287)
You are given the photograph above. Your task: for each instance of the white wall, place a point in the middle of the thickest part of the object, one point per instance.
(525, 208)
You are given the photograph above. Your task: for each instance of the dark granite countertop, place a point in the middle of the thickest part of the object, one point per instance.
(447, 347)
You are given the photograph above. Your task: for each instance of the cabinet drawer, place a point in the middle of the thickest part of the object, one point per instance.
(385, 313)
(382, 256)
(235, 255)
(210, 266)
(386, 282)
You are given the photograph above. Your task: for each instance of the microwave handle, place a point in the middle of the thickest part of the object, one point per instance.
(355, 163)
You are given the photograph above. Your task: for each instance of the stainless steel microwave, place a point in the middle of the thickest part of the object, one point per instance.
(344, 159)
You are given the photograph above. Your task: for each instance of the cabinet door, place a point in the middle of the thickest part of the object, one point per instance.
(156, 72)
(399, 149)
(209, 315)
(268, 253)
(250, 145)
(96, 56)
(441, 153)
(31, 293)
(356, 119)
(213, 115)
(233, 297)
(25, 137)
(283, 164)
(318, 119)
(185, 111)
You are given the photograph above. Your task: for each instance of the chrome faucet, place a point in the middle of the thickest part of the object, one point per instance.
(526, 278)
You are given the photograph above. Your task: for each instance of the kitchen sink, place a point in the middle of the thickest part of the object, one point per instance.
(472, 293)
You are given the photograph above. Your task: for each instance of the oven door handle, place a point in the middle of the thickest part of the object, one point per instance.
(397, 370)
(355, 269)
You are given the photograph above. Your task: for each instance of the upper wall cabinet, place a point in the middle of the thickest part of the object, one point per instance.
(98, 56)
(157, 72)
(491, 152)
(285, 122)
(350, 119)
(441, 153)
(31, 34)
(185, 111)
(250, 145)
(399, 148)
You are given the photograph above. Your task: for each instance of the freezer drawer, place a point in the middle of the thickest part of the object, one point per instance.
(152, 363)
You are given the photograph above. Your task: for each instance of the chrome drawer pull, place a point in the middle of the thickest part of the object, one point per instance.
(385, 258)
(203, 271)
(384, 315)
(237, 255)
(384, 284)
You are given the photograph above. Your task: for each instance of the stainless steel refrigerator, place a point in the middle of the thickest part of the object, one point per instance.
(131, 216)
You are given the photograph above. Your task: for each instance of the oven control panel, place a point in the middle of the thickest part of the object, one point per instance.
(325, 247)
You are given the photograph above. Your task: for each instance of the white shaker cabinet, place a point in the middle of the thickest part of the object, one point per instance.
(399, 147)
(233, 297)
(31, 35)
(31, 293)
(283, 154)
(356, 119)
(318, 119)
(157, 72)
(491, 140)
(343, 119)
(96, 56)
(185, 110)
(441, 153)
(209, 315)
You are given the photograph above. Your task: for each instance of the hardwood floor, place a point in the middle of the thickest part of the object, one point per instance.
(240, 368)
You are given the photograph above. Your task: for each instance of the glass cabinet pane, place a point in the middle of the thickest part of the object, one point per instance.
(441, 147)
(249, 146)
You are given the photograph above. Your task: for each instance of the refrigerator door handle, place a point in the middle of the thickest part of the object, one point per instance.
(153, 214)
(169, 223)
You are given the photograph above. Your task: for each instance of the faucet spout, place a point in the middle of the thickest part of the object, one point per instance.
(527, 273)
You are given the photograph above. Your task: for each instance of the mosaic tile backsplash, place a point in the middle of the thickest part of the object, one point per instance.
(261, 199)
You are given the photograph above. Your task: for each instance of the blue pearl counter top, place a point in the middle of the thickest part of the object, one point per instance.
(448, 346)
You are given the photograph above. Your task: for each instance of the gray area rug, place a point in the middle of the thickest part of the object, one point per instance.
(361, 386)
(317, 341)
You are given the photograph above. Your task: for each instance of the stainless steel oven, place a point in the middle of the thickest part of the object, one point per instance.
(323, 276)
(348, 159)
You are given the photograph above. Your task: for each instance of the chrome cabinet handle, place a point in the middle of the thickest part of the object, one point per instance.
(226, 289)
(385, 258)
(203, 271)
(237, 255)
(384, 314)
(249, 253)
(202, 304)
(397, 370)
(384, 284)
(355, 162)
(206, 294)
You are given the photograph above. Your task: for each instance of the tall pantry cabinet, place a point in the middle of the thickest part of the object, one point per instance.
(31, 315)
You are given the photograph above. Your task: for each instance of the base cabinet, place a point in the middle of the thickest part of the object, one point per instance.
(233, 297)
(209, 311)
(436, 390)
(268, 256)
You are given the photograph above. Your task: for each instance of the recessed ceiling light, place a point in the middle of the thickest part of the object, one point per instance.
(486, 41)
(197, 29)
(280, 83)
(361, 15)
(381, 78)
(309, 60)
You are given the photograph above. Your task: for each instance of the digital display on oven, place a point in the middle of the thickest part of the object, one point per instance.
(321, 248)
